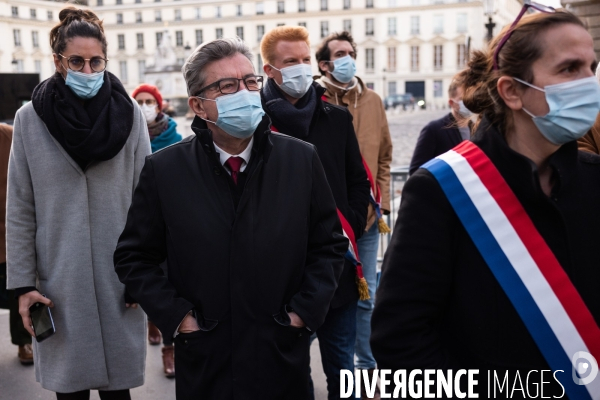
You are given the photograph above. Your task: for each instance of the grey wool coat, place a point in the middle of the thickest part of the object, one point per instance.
(62, 229)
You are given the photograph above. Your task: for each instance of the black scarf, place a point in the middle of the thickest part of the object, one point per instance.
(92, 130)
(288, 118)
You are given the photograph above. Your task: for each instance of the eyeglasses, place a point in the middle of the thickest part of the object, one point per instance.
(232, 85)
(148, 102)
(76, 63)
(536, 6)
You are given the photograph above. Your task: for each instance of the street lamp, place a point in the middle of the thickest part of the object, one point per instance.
(488, 10)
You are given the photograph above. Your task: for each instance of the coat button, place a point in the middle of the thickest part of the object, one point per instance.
(185, 341)
(207, 148)
(217, 170)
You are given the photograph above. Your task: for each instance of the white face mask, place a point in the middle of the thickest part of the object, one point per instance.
(463, 110)
(296, 79)
(149, 112)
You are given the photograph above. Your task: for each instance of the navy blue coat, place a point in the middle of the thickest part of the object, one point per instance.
(436, 138)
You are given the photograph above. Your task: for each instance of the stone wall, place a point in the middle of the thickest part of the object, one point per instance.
(589, 12)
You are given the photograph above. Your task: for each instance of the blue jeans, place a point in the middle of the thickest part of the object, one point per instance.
(336, 341)
(368, 245)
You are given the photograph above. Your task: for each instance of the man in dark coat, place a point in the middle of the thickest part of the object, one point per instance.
(293, 101)
(443, 134)
(248, 225)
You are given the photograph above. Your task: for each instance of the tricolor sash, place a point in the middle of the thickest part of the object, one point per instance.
(352, 252)
(375, 195)
(354, 258)
(525, 267)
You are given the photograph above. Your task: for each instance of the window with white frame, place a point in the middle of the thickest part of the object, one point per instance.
(157, 16)
(260, 32)
(198, 13)
(438, 89)
(438, 24)
(99, 2)
(238, 10)
(119, 18)
(142, 71)
(138, 17)
(301, 5)
(217, 11)
(199, 37)
(33, 13)
(37, 64)
(323, 5)
(414, 58)
(50, 16)
(391, 61)
(179, 38)
(20, 66)
(280, 7)
(159, 36)
(347, 4)
(219, 33)
(35, 39)
(123, 71)
(369, 27)
(461, 22)
(14, 11)
(259, 65)
(461, 56)
(121, 41)
(119, 2)
(369, 3)
(260, 8)
(392, 88)
(239, 31)
(177, 15)
(303, 24)
(324, 29)
(415, 25)
(17, 37)
(438, 57)
(392, 26)
(140, 40)
(348, 25)
(370, 60)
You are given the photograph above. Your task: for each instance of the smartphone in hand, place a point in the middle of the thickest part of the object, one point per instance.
(41, 319)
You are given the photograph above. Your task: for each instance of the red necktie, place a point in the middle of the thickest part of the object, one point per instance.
(234, 164)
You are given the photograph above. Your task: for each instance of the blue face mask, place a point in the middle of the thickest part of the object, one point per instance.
(295, 79)
(239, 113)
(344, 69)
(574, 106)
(84, 85)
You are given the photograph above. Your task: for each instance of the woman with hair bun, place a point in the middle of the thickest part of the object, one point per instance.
(78, 149)
(493, 265)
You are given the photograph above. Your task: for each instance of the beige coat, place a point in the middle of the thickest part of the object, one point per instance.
(372, 131)
(591, 141)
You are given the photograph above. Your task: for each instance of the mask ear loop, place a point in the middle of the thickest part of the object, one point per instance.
(207, 120)
(531, 86)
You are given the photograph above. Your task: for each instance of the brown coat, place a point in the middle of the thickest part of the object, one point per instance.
(591, 141)
(372, 131)
(5, 142)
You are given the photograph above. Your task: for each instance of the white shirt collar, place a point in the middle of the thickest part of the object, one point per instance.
(245, 155)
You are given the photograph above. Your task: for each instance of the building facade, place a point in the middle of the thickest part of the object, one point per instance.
(404, 46)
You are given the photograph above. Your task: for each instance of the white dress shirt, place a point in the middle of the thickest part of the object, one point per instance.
(244, 155)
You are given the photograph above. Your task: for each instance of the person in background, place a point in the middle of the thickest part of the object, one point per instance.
(442, 134)
(293, 102)
(77, 152)
(493, 265)
(336, 57)
(248, 226)
(163, 133)
(161, 127)
(591, 141)
(18, 334)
